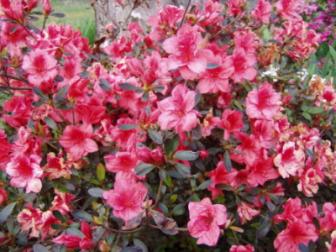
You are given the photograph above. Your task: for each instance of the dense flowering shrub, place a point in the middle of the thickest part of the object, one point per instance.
(204, 125)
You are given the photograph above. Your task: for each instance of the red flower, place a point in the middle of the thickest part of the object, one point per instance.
(232, 121)
(77, 141)
(205, 219)
(296, 233)
(72, 241)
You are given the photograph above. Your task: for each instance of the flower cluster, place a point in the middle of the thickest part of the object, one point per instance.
(177, 130)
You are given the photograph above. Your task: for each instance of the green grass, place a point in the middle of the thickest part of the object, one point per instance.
(78, 13)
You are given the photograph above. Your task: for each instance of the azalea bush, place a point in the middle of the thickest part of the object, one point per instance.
(205, 129)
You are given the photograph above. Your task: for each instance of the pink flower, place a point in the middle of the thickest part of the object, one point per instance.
(289, 160)
(216, 78)
(310, 179)
(242, 248)
(296, 233)
(264, 131)
(126, 198)
(232, 121)
(243, 64)
(47, 8)
(290, 9)
(328, 221)
(76, 140)
(185, 52)
(25, 172)
(62, 202)
(218, 176)
(205, 221)
(261, 171)
(235, 7)
(263, 103)
(5, 148)
(72, 241)
(246, 40)
(246, 212)
(293, 211)
(40, 66)
(262, 11)
(177, 111)
(3, 195)
(30, 220)
(121, 162)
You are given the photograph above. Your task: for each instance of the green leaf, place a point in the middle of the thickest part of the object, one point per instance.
(332, 52)
(59, 216)
(96, 192)
(156, 136)
(143, 169)
(40, 248)
(212, 66)
(100, 172)
(264, 228)
(314, 110)
(307, 116)
(58, 14)
(82, 215)
(51, 123)
(266, 34)
(204, 185)
(183, 170)
(227, 161)
(179, 209)
(171, 145)
(186, 155)
(303, 247)
(129, 87)
(61, 93)
(6, 212)
(39, 92)
(127, 126)
(104, 84)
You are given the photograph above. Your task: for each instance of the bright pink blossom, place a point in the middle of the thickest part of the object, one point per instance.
(216, 77)
(77, 141)
(246, 212)
(235, 7)
(296, 233)
(289, 160)
(40, 66)
(121, 162)
(185, 52)
(246, 40)
(3, 195)
(30, 220)
(73, 241)
(177, 111)
(244, 66)
(328, 220)
(262, 11)
(126, 198)
(25, 172)
(242, 248)
(261, 171)
(263, 103)
(231, 122)
(205, 221)
(290, 9)
(5, 148)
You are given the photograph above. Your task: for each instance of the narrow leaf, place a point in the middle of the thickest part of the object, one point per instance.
(186, 155)
(6, 212)
(143, 169)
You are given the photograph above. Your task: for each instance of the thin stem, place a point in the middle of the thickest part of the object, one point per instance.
(185, 14)
(157, 198)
